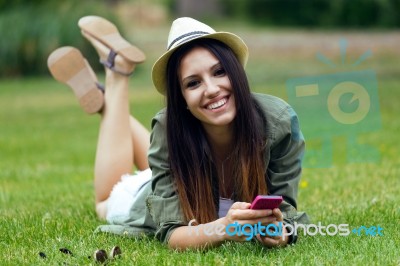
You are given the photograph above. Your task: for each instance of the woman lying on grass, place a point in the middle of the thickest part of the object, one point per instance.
(212, 150)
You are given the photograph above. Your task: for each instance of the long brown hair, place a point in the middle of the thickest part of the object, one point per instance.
(189, 151)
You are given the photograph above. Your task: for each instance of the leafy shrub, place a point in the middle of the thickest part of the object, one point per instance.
(31, 32)
(317, 13)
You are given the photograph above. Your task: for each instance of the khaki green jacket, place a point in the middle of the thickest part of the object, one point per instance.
(157, 210)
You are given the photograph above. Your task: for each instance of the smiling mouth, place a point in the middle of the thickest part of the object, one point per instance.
(218, 104)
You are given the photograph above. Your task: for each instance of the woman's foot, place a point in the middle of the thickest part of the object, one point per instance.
(68, 66)
(115, 52)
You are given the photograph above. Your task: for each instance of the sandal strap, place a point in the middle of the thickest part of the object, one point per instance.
(110, 63)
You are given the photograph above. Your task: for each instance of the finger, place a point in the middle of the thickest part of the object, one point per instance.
(247, 214)
(255, 222)
(264, 221)
(276, 232)
(267, 241)
(240, 205)
(278, 214)
(241, 234)
(272, 241)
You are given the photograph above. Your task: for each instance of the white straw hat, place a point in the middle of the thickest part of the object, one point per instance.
(184, 30)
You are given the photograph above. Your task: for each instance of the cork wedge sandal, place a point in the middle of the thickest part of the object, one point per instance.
(109, 44)
(67, 65)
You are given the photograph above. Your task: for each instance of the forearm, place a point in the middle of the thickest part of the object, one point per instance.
(214, 233)
(198, 236)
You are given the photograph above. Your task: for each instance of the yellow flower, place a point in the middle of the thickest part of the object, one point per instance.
(303, 184)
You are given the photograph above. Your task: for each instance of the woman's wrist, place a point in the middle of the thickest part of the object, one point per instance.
(220, 228)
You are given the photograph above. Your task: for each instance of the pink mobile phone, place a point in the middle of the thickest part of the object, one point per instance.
(262, 202)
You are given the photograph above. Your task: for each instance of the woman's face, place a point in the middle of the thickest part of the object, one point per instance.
(206, 88)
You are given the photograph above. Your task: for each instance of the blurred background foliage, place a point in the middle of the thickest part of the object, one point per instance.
(318, 13)
(31, 29)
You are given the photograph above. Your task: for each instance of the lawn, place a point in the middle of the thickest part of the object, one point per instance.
(47, 147)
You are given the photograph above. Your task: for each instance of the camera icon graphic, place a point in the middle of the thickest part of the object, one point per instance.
(344, 104)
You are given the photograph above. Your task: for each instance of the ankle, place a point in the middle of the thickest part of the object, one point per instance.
(115, 80)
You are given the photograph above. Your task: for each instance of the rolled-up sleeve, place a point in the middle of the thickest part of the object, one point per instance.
(163, 203)
(286, 150)
(286, 147)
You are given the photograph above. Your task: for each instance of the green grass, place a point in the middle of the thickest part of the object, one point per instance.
(47, 147)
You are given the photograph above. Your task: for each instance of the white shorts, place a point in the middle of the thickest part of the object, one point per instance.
(124, 194)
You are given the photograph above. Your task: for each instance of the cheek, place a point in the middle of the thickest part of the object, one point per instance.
(228, 83)
(191, 98)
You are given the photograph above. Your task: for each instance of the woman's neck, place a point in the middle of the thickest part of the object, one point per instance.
(221, 141)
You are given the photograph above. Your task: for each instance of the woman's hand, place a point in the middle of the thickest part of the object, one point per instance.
(275, 241)
(240, 224)
(240, 214)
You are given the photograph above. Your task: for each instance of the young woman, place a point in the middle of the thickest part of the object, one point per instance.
(212, 150)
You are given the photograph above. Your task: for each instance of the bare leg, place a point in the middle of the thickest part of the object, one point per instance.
(141, 144)
(122, 141)
(114, 155)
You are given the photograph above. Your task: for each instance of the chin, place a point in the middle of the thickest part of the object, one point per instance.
(226, 120)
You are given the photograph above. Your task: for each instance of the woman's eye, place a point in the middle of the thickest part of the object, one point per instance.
(220, 72)
(192, 84)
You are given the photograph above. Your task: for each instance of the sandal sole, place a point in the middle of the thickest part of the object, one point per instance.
(108, 34)
(68, 66)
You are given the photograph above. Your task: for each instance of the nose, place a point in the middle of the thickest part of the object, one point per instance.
(212, 89)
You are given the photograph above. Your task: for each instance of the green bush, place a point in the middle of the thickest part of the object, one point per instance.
(31, 32)
(317, 13)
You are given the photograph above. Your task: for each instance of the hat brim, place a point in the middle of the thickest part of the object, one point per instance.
(159, 71)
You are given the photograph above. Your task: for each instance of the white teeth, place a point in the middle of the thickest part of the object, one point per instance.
(217, 104)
